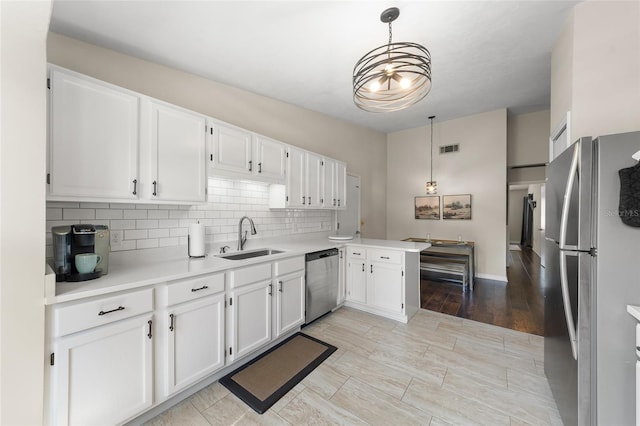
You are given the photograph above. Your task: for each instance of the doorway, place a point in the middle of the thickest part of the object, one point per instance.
(348, 220)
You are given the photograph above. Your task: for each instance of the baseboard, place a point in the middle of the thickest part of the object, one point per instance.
(502, 278)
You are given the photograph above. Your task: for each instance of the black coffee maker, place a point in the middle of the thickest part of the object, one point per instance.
(68, 241)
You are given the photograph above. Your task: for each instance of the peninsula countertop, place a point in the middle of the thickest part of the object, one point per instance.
(138, 268)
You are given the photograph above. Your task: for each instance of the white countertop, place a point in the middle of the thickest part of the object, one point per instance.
(138, 268)
(634, 311)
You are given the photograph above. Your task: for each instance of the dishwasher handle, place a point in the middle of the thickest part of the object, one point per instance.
(309, 257)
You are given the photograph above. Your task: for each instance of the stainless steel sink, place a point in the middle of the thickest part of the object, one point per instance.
(248, 254)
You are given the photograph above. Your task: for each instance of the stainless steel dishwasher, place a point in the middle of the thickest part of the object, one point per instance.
(322, 283)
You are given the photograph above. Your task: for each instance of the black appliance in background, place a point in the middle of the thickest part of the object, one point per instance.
(68, 241)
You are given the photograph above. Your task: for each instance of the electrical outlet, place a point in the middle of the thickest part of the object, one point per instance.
(115, 239)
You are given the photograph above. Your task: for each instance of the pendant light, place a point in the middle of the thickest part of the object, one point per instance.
(432, 185)
(393, 76)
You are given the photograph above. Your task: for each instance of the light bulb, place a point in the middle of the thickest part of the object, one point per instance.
(405, 83)
(375, 86)
(389, 69)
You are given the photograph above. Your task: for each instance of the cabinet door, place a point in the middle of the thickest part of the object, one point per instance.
(231, 149)
(295, 191)
(249, 321)
(356, 281)
(384, 286)
(270, 158)
(290, 302)
(104, 375)
(328, 186)
(341, 185)
(342, 275)
(195, 341)
(93, 140)
(177, 155)
(313, 174)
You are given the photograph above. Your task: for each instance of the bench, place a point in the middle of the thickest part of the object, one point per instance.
(446, 266)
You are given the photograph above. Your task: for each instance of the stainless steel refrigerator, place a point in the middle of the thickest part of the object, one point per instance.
(592, 273)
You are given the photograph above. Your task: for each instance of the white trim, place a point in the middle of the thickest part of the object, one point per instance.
(563, 127)
(502, 278)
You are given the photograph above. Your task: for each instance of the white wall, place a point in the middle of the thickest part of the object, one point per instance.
(527, 144)
(515, 214)
(23, 31)
(595, 69)
(364, 150)
(478, 169)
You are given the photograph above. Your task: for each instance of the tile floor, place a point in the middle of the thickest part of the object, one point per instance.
(435, 370)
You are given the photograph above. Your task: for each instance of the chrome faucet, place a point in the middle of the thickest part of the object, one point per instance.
(243, 239)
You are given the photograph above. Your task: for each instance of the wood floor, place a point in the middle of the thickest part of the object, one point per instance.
(518, 304)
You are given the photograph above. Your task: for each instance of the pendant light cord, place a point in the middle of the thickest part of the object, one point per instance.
(431, 118)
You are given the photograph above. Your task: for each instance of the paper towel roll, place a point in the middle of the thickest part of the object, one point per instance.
(196, 240)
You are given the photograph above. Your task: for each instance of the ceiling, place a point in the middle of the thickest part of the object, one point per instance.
(486, 55)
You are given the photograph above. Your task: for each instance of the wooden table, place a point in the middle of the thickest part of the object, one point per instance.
(451, 249)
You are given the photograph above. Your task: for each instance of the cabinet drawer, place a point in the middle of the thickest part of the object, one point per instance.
(386, 256)
(287, 266)
(250, 274)
(356, 253)
(85, 315)
(182, 291)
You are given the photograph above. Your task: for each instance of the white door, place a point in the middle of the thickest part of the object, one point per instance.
(177, 155)
(249, 323)
(231, 149)
(295, 191)
(93, 140)
(104, 375)
(195, 341)
(271, 159)
(290, 302)
(349, 219)
(356, 281)
(342, 275)
(314, 179)
(384, 287)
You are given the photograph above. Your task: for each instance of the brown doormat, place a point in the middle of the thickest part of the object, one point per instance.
(264, 380)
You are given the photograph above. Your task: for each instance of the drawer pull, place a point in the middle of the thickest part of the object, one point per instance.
(356, 254)
(204, 287)
(119, 308)
(384, 257)
(172, 317)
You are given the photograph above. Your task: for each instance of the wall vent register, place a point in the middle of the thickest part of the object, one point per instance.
(448, 149)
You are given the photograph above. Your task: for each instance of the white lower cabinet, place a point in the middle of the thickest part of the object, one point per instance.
(194, 331)
(249, 318)
(290, 292)
(342, 275)
(101, 359)
(376, 282)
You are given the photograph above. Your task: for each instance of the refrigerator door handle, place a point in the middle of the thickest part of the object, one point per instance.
(564, 218)
(566, 300)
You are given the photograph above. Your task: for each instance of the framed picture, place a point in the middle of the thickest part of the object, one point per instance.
(456, 207)
(427, 207)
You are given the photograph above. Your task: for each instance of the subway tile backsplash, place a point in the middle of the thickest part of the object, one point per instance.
(149, 225)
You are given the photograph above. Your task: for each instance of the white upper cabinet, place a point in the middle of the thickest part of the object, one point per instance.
(270, 156)
(107, 143)
(231, 149)
(93, 139)
(328, 188)
(235, 152)
(313, 184)
(177, 160)
(340, 189)
(295, 190)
